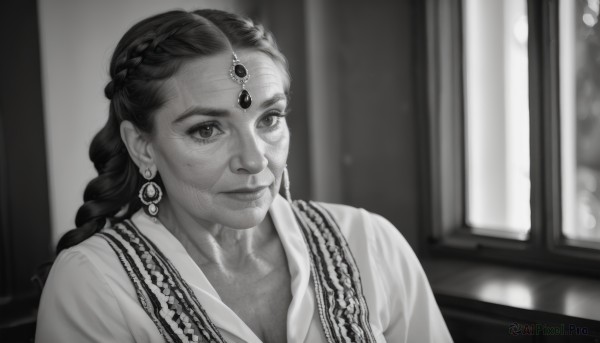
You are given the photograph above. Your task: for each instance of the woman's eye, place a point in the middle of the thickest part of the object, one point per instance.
(205, 131)
(270, 120)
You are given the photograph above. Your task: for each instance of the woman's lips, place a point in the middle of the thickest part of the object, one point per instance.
(247, 194)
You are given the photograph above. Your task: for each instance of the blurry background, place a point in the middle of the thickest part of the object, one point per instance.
(472, 125)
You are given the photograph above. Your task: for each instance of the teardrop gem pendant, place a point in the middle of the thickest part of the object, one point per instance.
(244, 99)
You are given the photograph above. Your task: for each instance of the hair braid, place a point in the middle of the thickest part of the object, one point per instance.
(131, 59)
(110, 191)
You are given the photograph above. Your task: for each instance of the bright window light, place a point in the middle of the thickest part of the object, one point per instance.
(579, 43)
(497, 117)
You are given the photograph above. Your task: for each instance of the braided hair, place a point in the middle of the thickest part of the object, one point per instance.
(150, 52)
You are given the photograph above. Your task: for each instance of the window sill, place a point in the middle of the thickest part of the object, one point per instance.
(506, 295)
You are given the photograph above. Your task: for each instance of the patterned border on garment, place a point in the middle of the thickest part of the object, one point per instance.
(179, 317)
(161, 290)
(340, 300)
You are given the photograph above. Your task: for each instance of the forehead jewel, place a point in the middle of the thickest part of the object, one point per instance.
(239, 74)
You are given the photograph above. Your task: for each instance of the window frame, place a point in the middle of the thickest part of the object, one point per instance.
(443, 163)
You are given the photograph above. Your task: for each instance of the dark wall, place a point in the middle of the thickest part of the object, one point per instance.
(24, 210)
(379, 121)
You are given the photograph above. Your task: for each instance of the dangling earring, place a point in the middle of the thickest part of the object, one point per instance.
(150, 195)
(286, 184)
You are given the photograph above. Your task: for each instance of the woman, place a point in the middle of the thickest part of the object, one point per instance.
(183, 236)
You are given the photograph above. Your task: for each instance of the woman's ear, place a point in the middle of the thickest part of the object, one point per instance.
(138, 145)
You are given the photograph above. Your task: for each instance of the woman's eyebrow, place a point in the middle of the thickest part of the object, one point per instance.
(273, 100)
(200, 111)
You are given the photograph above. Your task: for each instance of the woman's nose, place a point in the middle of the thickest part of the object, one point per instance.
(250, 157)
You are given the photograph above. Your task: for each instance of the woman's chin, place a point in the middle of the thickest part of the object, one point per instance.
(243, 214)
(246, 219)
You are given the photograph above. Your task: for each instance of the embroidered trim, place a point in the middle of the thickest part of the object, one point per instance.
(179, 316)
(161, 290)
(342, 306)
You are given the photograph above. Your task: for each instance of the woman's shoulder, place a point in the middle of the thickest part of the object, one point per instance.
(375, 242)
(343, 212)
(88, 269)
(358, 223)
(87, 266)
(83, 295)
(76, 263)
(93, 253)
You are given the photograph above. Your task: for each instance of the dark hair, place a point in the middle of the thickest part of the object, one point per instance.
(151, 51)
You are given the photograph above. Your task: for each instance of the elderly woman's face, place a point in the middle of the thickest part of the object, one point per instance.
(219, 163)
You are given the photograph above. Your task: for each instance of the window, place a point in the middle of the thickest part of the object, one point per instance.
(513, 97)
(579, 34)
(496, 100)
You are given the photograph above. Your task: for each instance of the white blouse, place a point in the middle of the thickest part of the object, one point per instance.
(89, 297)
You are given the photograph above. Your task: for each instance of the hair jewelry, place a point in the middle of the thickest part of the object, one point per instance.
(239, 74)
(150, 194)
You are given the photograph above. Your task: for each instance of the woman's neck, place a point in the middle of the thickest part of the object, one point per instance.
(215, 245)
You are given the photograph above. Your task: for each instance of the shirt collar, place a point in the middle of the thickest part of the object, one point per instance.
(301, 309)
